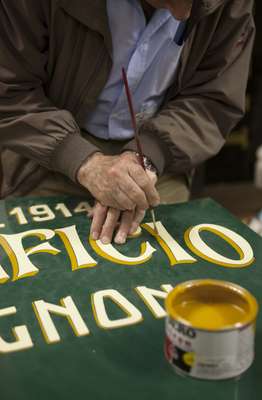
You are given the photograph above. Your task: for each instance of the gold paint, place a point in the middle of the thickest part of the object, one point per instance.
(120, 306)
(210, 315)
(17, 339)
(212, 260)
(53, 252)
(69, 319)
(147, 303)
(136, 234)
(103, 254)
(211, 305)
(41, 325)
(94, 311)
(172, 259)
(4, 280)
(13, 259)
(44, 332)
(71, 253)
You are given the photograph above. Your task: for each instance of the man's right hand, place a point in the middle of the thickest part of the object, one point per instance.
(118, 181)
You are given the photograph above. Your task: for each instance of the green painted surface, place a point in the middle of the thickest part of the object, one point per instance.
(120, 363)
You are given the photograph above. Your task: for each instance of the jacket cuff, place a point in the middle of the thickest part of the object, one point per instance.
(70, 155)
(152, 148)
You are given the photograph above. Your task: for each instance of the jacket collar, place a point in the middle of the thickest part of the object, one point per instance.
(200, 9)
(94, 14)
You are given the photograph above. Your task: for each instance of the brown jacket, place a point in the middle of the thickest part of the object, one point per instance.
(55, 58)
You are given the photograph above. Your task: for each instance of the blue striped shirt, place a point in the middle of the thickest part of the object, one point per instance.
(150, 56)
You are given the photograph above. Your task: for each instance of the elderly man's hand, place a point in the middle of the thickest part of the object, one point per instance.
(107, 219)
(118, 182)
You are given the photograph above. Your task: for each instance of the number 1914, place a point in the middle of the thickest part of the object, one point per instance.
(43, 212)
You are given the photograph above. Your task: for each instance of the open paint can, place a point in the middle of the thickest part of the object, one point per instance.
(210, 329)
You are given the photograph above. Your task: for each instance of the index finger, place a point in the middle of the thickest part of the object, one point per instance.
(99, 216)
(143, 181)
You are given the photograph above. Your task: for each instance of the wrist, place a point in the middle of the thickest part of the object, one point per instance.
(129, 153)
(81, 173)
(149, 166)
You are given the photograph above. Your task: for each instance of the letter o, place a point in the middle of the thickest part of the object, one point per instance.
(200, 248)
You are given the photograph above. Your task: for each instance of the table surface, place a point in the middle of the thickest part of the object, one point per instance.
(123, 362)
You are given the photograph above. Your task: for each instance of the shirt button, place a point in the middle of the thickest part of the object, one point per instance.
(144, 46)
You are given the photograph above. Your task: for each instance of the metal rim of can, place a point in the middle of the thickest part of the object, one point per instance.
(237, 290)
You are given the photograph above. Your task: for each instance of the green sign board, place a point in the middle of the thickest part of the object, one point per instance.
(83, 320)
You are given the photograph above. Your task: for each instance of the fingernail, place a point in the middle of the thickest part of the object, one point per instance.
(120, 239)
(105, 240)
(95, 235)
(156, 203)
(133, 229)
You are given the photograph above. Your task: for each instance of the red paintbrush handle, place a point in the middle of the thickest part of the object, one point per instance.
(133, 119)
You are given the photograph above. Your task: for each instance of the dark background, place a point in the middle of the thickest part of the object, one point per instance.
(229, 176)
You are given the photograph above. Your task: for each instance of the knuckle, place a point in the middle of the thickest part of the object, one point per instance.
(120, 206)
(139, 217)
(130, 188)
(155, 200)
(103, 197)
(112, 212)
(130, 206)
(143, 182)
(134, 195)
(100, 208)
(113, 172)
(125, 202)
(141, 213)
(143, 204)
(127, 219)
(141, 200)
(107, 228)
(106, 233)
(137, 168)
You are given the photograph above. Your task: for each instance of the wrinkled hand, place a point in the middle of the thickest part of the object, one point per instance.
(118, 182)
(107, 219)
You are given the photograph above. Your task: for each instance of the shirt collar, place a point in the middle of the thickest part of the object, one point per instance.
(96, 17)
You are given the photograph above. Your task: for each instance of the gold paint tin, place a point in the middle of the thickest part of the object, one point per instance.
(210, 329)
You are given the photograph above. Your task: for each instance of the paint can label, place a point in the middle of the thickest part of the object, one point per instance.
(209, 354)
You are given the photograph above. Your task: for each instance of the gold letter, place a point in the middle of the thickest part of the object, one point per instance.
(173, 250)
(78, 255)
(23, 339)
(199, 247)
(133, 314)
(148, 296)
(13, 245)
(3, 275)
(108, 252)
(69, 310)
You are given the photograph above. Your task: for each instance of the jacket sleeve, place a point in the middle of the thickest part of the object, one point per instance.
(192, 127)
(29, 123)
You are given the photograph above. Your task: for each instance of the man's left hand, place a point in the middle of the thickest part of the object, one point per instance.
(107, 219)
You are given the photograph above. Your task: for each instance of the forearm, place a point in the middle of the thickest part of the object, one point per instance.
(30, 124)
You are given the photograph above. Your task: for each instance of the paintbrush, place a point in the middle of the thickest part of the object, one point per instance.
(137, 139)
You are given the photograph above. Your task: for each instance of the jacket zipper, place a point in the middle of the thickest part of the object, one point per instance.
(88, 84)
